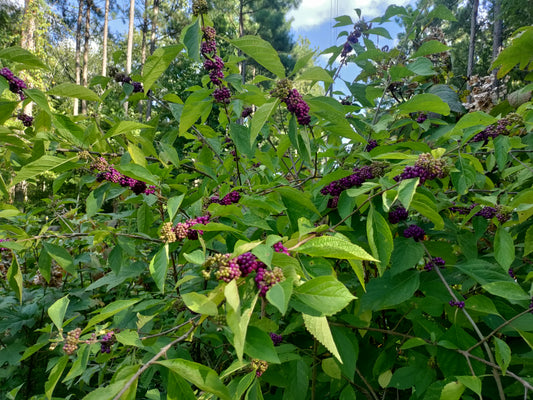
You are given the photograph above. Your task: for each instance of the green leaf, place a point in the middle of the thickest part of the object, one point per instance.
(506, 290)
(389, 290)
(110, 310)
(240, 135)
(199, 303)
(465, 177)
(157, 63)
(302, 61)
(503, 354)
(474, 119)
(520, 52)
(502, 145)
(259, 345)
(357, 268)
(80, 363)
(22, 56)
(261, 115)
(57, 311)
(262, 52)
(125, 127)
(481, 304)
(319, 328)
(178, 388)
(191, 39)
(528, 242)
(379, 238)
(54, 376)
(324, 295)
(425, 102)
(441, 12)
(413, 342)
(406, 255)
(331, 368)
(380, 31)
(504, 251)
(73, 90)
(199, 375)
(452, 391)
(407, 190)
(39, 98)
(449, 96)
(173, 205)
(159, 267)
(280, 294)
(315, 74)
(431, 47)
(129, 337)
(343, 20)
(43, 164)
(237, 322)
(196, 105)
(421, 66)
(14, 277)
(425, 206)
(471, 382)
(334, 247)
(61, 256)
(138, 172)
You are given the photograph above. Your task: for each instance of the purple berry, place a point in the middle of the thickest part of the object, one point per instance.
(414, 231)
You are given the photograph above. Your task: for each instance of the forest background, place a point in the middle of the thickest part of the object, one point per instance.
(199, 205)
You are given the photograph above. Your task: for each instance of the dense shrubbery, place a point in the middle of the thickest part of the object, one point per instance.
(301, 248)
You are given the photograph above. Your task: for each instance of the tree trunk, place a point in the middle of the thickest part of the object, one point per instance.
(152, 49)
(78, 53)
(241, 34)
(143, 50)
(496, 40)
(106, 34)
(472, 45)
(129, 51)
(27, 37)
(86, 44)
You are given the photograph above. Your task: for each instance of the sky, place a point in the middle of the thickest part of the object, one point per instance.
(314, 19)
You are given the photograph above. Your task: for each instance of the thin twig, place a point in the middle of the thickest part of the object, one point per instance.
(370, 389)
(175, 328)
(153, 360)
(503, 325)
(85, 234)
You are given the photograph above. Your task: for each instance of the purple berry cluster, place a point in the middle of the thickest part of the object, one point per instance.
(335, 188)
(107, 341)
(421, 118)
(27, 120)
(434, 262)
(222, 95)
(227, 269)
(246, 112)
(16, 85)
(414, 231)
(486, 212)
(511, 273)
(231, 198)
(265, 279)
(279, 248)
(426, 168)
(123, 78)
(458, 304)
(492, 131)
(260, 367)
(353, 39)
(398, 214)
(293, 99)
(71, 341)
(214, 64)
(107, 172)
(276, 339)
(297, 106)
(372, 144)
(184, 230)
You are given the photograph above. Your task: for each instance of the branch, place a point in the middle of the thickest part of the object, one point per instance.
(153, 360)
(77, 234)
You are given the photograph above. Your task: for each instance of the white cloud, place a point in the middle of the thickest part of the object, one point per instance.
(312, 13)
